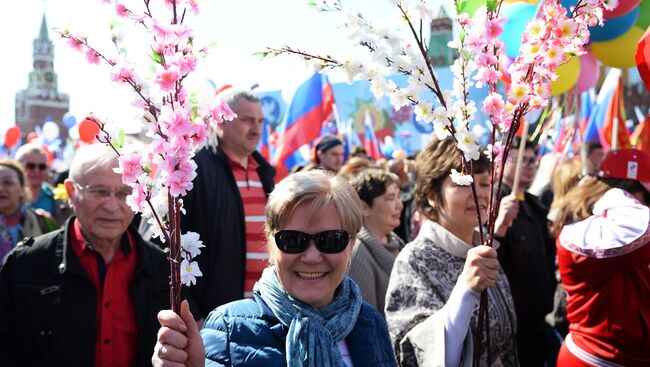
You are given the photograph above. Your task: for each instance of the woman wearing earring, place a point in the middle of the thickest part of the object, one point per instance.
(377, 246)
(17, 221)
(306, 311)
(434, 288)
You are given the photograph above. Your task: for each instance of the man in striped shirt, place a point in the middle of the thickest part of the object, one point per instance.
(226, 206)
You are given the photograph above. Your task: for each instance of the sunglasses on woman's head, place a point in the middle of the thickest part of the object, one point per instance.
(327, 242)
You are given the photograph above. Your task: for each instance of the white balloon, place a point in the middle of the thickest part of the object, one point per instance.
(74, 132)
(50, 131)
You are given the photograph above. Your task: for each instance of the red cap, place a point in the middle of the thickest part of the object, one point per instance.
(629, 164)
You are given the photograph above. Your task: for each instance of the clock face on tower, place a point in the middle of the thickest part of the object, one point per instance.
(48, 78)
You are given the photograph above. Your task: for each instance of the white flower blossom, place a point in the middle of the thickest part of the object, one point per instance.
(440, 129)
(467, 144)
(425, 10)
(352, 68)
(191, 243)
(189, 272)
(460, 178)
(398, 98)
(423, 111)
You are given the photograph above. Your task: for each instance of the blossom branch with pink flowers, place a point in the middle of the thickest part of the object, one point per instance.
(161, 171)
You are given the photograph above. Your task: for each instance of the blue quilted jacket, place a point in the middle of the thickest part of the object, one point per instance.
(246, 333)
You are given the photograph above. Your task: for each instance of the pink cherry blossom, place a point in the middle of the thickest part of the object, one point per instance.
(75, 43)
(92, 56)
(130, 167)
(194, 6)
(138, 197)
(178, 183)
(121, 73)
(121, 10)
(185, 63)
(494, 28)
(167, 78)
(175, 120)
(493, 104)
(160, 30)
(221, 112)
(200, 133)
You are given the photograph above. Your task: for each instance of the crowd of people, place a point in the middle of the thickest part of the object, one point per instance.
(342, 263)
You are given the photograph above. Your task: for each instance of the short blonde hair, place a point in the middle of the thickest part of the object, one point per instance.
(320, 190)
(28, 149)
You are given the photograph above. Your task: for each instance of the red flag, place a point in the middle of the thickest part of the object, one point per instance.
(640, 138)
(614, 114)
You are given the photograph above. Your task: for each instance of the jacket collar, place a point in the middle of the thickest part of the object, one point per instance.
(68, 263)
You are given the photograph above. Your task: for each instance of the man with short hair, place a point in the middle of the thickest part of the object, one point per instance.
(329, 154)
(595, 155)
(527, 256)
(226, 206)
(87, 294)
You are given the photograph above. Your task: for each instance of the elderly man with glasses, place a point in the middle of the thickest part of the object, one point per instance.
(87, 294)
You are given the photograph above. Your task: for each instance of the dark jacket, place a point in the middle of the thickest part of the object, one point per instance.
(215, 211)
(527, 256)
(48, 304)
(246, 333)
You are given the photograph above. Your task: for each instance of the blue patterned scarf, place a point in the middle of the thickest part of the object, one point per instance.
(313, 334)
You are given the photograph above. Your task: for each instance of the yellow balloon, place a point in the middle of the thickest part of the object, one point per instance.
(518, 1)
(619, 52)
(567, 76)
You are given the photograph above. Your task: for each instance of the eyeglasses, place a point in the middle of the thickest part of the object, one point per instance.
(103, 192)
(32, 166)
(327, 242)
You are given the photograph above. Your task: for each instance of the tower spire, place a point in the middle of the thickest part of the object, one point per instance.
(44, 34)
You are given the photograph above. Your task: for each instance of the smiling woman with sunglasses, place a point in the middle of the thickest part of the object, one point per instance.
(306, 311)
(33, 158)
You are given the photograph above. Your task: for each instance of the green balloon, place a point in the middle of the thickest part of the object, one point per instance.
(643, 21)
(472, 6)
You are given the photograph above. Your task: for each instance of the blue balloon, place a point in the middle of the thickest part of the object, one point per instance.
(421, 127)
(614, 27)
(69, 120)
(517, 15)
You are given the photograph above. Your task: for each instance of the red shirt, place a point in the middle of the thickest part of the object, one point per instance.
(254, 200)
(116, 340)
(608, 303)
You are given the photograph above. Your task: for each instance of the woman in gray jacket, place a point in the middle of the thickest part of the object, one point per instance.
(433, 293)
(376, 245)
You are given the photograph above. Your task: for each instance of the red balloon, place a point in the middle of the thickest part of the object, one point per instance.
(88, 131)
(623, 7)
(12, 136)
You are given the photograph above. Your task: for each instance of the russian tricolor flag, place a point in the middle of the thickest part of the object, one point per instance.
(370, 143)
(310, 108)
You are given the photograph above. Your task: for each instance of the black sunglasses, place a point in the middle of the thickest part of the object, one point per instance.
(327, 242)
(32, 166)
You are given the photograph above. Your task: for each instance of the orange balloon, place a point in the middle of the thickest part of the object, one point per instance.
(88, 131)
(12, 136)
